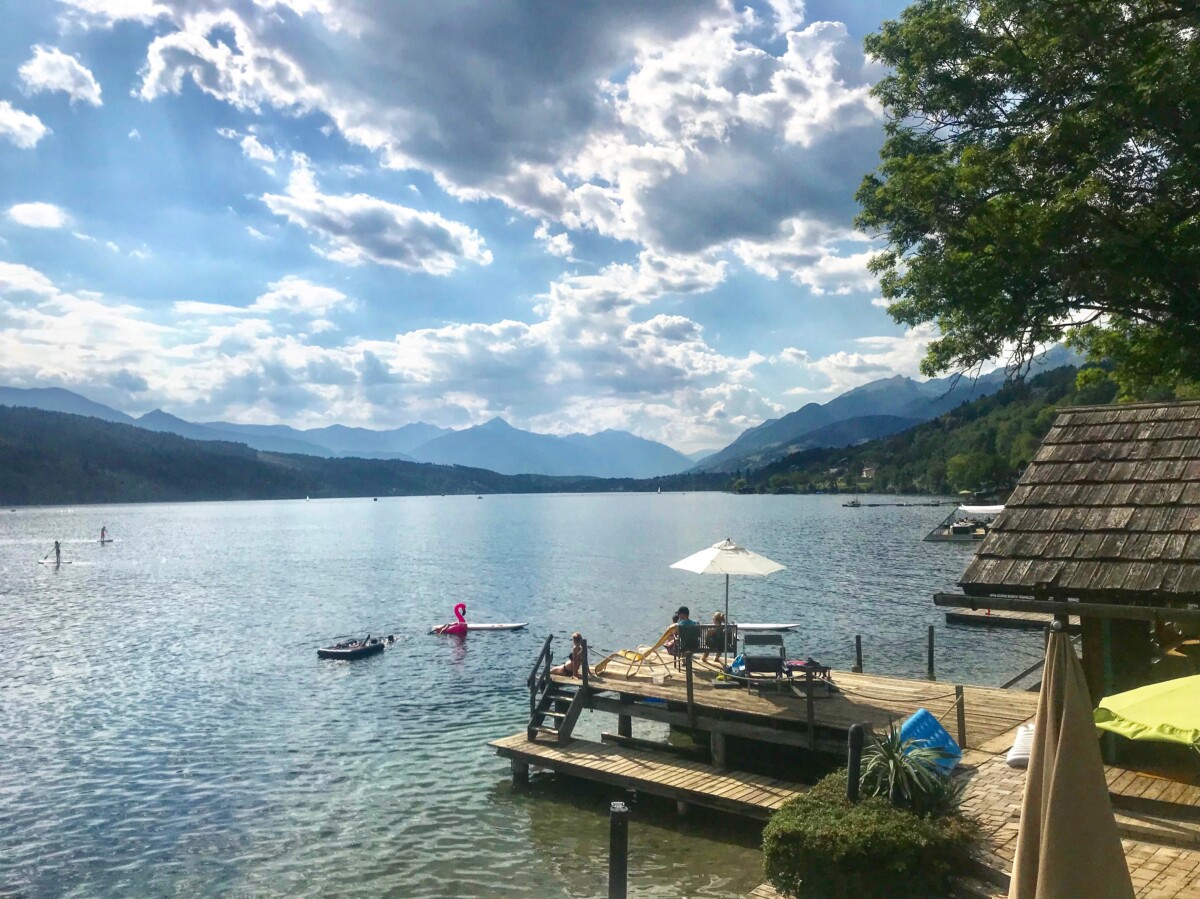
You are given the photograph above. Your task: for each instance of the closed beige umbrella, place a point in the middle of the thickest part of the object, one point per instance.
(1068, 846)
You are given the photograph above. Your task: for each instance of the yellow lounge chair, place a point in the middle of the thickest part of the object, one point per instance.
(637, 659)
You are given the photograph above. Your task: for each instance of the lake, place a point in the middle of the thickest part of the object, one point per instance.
(166, 726)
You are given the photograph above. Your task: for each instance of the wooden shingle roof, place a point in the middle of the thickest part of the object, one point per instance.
(1109, 507)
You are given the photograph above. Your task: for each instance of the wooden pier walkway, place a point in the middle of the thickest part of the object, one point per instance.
(1159, 820)
(695, 783)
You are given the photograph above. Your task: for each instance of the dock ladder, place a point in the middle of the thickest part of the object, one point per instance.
(554, 707)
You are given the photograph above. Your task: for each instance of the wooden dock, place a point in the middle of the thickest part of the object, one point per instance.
(782, 717)
(1159, 820)
(1028, 621)
(694, 783)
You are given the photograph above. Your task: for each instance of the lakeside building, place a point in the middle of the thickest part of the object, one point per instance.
(1105, 524)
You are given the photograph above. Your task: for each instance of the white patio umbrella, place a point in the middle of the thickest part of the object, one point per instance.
(728, 558)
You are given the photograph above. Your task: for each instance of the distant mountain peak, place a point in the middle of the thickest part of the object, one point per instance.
(497, 424)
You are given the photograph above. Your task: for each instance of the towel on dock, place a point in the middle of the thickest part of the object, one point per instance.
(1018, 756)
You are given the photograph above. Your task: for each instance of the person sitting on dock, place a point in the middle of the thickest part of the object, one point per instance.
(687, 634)
(714, 640)
(573, 666)
(669, 646)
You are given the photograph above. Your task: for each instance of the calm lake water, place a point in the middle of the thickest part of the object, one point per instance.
(166, 727)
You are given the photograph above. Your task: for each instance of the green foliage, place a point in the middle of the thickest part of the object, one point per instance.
(1040, 170)
(970, 471)
(821, 846)
(907, 774)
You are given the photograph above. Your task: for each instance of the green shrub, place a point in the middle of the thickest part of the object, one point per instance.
(821, 846)
(907, 773)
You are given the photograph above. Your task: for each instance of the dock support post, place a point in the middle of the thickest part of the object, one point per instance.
(691, 703)
(520, 773)
(624, 725)
(929, 655)
(854, 761)
(810, 710)
(716, 744)
(618, 850)
(857, 654)
(960, 704)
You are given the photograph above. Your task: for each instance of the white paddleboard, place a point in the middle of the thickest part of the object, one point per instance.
(52, 562)
(767, 627)
(108, 540)
(496, 627)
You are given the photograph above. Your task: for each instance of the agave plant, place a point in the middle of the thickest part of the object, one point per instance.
(908, 774)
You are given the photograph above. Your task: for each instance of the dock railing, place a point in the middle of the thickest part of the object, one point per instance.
(537, 683)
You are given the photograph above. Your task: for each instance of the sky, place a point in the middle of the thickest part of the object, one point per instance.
(573, 215)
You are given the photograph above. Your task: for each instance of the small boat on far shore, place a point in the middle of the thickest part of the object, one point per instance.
(354, 649)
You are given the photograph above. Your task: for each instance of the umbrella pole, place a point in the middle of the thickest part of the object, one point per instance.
(725, 624)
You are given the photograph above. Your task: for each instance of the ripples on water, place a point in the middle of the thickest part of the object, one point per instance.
(166, 727)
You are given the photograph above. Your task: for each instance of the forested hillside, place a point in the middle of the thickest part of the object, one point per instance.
(981, 445)
(49, 458)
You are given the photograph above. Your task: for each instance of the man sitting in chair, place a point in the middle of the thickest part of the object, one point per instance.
(687, 635)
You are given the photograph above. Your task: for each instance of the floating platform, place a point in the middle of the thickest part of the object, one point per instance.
(694, 783)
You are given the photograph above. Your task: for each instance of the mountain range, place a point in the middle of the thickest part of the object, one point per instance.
(878, 409)
(496, 445)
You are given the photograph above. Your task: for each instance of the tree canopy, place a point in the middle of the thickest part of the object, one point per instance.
(1041, 178)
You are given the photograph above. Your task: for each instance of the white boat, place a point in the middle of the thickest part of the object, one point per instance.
(965, 524)
(767, 626)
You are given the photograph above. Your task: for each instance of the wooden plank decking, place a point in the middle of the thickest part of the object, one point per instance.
(860, 699)
(752, 795)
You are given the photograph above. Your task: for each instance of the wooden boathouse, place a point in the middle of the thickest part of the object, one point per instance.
(1105, 525)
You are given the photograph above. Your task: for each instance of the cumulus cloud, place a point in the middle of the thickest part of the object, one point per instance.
(293, 294)
(20, 128)
(838, 275)
(38, 215)
(252, 148)
(353, 229)
(555, 244)
(707, 140)
(707, 136)
(873, 357)
(52, 70)
(16, 278)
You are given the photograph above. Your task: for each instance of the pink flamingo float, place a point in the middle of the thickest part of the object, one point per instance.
(460, 627)
(456, 628)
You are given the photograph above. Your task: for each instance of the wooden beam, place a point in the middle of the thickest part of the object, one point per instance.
(1053, 607)
(835, 744)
